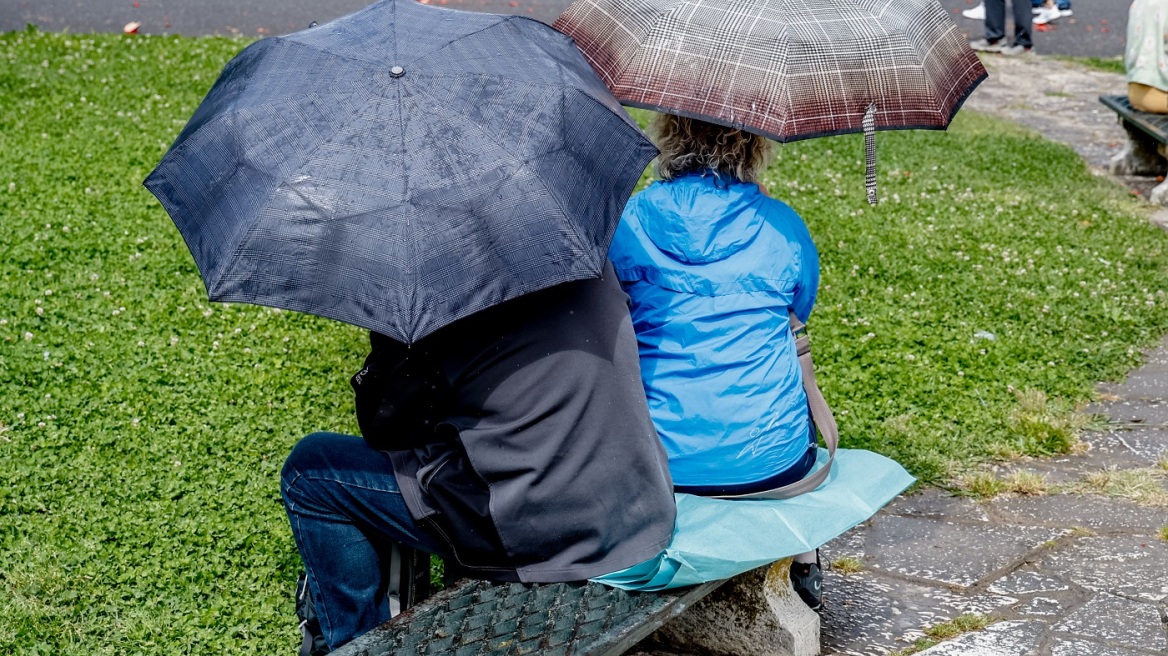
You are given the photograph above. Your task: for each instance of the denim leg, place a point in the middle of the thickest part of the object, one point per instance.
(346, 510)
(995, 20)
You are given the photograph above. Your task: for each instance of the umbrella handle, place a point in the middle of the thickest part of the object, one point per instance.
(870, 153)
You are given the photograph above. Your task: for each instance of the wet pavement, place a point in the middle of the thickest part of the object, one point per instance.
(1066, 573)
(226, 17)
(1097, 27)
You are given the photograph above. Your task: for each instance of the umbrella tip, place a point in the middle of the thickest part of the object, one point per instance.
(397, 71)
(312, 24)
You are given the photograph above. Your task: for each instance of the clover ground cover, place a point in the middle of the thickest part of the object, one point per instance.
(142, 429)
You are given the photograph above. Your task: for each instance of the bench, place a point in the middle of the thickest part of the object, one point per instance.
(754, 614)
(1147, 147)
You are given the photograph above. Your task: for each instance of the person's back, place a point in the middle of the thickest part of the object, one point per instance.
(713, 266)
(542, 422)
(515, 442)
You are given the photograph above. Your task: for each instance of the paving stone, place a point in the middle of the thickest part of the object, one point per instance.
(1017, 638)
(1043, 607)
(1139, 385)
(1089, 511)
(1117, 621)
(937, 503)
(1143, 446)
(1132, 566)
(1021, 582)
(1065, 470)
(1122, 412)
(1065, 647)
(947, 552)
(870, 614)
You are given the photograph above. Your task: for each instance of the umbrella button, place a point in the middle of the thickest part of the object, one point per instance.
(397, 71)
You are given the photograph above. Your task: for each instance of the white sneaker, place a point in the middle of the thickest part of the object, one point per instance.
(1047, 15)
(977, 13)
(1036, 10)
(982, 45)
(1066, 12)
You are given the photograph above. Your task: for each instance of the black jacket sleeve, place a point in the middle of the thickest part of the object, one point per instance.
(401, 395)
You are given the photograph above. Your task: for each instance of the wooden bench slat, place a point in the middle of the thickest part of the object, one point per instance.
(480, 617)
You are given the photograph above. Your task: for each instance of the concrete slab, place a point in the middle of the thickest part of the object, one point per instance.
(1017, 638)
(1089, 511)
(1123, 412)
(1119, 622)
(1139, 385)
(947, 552)
(1134, 445)
(937, 503)
(1023, 582)
(1072, 647)
(1132, 566)
(871, 614)
(1042, 607)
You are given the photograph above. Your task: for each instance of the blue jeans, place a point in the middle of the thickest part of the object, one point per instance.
(346, 511)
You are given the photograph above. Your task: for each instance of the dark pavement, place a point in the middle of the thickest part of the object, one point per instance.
(1097, 29)
(243, 17)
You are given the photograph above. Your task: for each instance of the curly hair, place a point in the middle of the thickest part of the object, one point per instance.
(688, 144)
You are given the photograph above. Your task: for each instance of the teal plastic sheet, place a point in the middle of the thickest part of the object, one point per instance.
(719, 538)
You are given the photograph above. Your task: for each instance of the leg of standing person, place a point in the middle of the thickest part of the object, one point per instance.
(1022, 20)
(346, 511)
(995, 27)
(995, 20)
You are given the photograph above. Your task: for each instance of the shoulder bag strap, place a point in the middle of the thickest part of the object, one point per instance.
(821, 417)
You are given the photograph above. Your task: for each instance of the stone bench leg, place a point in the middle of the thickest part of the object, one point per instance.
(1139, 157)
(754, 614)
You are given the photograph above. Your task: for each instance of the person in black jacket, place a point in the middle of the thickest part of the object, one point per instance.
(516, 442)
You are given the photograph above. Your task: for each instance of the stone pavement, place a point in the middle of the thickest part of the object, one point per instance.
(1067, 573)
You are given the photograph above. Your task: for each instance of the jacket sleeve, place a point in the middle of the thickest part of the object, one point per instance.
(401, 395)
(808, 286)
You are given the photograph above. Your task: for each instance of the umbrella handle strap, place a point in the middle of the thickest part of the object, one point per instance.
(870, 153)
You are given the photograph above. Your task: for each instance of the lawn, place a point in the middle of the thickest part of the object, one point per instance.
(142, 429)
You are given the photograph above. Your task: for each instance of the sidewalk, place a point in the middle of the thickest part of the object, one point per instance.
(1069, 574)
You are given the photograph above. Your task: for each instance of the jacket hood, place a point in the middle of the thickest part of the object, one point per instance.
(701, 218)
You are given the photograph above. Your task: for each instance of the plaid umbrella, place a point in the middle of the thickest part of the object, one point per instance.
(401, 168)
(786, 69)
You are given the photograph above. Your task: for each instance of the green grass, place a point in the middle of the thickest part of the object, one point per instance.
(142, 429)
(939, 633)
(1107, 64)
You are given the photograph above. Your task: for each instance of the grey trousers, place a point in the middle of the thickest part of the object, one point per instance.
(995, 21)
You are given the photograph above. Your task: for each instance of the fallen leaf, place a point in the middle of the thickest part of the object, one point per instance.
(132, 27)
(1159, 178)
(1104, 30)
(136, 5)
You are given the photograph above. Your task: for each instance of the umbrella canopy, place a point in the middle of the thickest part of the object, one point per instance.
(786, 69)
(401, 168)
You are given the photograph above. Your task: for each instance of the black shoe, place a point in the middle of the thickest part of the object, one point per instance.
(313, 638)
(807, 581)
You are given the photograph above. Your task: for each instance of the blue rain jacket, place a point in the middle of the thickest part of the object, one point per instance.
(712, 265)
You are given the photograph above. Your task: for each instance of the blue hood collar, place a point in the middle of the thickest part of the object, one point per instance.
(702, 217)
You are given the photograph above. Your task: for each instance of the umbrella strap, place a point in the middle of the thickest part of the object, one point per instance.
(870, 153)
(821, 417)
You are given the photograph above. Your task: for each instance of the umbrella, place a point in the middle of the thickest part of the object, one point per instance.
(786, 69)
(401, 167)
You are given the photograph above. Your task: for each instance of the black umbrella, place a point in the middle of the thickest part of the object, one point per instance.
(402, 167)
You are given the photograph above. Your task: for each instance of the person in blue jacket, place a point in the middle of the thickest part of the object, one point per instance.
(712, 265)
